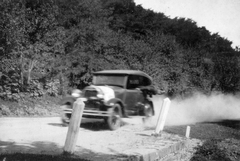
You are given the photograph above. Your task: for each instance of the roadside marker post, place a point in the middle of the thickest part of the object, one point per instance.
(74, 125)
(188, 131)
(162, 115)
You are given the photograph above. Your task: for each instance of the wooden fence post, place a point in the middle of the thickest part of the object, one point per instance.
(162, 115)
(74, 125)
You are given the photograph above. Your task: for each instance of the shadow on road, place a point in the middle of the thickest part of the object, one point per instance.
(95, 126)
(57, 124)
(89, 125)
(34, 147)
(39, 150)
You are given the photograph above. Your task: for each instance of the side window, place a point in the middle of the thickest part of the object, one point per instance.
(146, 81)
(135, 81)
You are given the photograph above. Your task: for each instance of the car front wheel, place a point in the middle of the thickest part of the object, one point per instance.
(114, 119)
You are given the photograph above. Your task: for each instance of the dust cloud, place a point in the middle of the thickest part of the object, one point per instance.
(198, 108)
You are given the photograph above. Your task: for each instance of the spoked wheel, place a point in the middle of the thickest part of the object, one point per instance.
(66, 103)
(148, 112)
(114, 120)
(64, 123)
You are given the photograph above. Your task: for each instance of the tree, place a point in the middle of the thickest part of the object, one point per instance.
(226, 71)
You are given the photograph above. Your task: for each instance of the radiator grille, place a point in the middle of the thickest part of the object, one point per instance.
(90, 93)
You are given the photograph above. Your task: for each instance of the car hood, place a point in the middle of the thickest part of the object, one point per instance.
(116, 89)
(108, 92)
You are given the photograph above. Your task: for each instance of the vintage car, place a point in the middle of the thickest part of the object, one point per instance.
(112, 95)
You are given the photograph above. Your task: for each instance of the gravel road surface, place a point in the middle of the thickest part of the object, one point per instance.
(95, 140)
(47, 135)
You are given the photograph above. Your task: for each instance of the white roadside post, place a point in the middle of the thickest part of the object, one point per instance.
(188, 131)
(162, 115)
(74, 125)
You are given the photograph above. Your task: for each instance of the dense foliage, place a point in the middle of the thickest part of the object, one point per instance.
(49, 47)
(217, 150)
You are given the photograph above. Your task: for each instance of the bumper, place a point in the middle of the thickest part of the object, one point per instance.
(89, 112)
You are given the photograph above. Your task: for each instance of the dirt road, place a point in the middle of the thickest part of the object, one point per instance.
(95, 140)
(31, 134)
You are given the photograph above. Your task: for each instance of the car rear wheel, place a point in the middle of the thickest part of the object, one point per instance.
(114, 120)
(148, 110)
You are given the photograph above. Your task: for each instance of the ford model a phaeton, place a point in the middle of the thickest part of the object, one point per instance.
(114, 94)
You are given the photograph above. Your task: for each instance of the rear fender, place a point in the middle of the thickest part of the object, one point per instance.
(151, 103)
(142, 107)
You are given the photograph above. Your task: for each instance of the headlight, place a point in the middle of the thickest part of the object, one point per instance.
(76, 93)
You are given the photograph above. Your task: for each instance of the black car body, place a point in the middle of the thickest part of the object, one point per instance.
(114, 94)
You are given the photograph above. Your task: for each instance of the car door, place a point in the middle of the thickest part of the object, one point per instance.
(133, 94)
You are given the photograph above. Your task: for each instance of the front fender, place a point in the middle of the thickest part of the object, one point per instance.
(116, 100)
(69, 100)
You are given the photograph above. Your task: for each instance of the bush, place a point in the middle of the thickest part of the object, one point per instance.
(28, 106)
(210, 151)
(4, 110)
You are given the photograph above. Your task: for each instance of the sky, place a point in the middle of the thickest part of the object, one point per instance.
(218, 16)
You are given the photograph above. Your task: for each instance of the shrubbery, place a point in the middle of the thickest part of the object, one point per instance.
(28, 106)
(218, 150)
(48, 47)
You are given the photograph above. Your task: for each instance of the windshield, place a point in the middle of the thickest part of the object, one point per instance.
(115, 80)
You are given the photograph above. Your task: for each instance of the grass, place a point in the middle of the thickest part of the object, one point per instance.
(47, 106)
(221, 140)
(204, 131)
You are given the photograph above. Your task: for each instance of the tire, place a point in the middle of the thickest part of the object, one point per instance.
(64, 123)
(148, 110)
(66, 102)
(114, 120)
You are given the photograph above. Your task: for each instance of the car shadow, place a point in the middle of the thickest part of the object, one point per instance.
(57, 124)
(95, 126)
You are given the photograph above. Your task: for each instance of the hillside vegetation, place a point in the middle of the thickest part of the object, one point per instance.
(49, 47)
